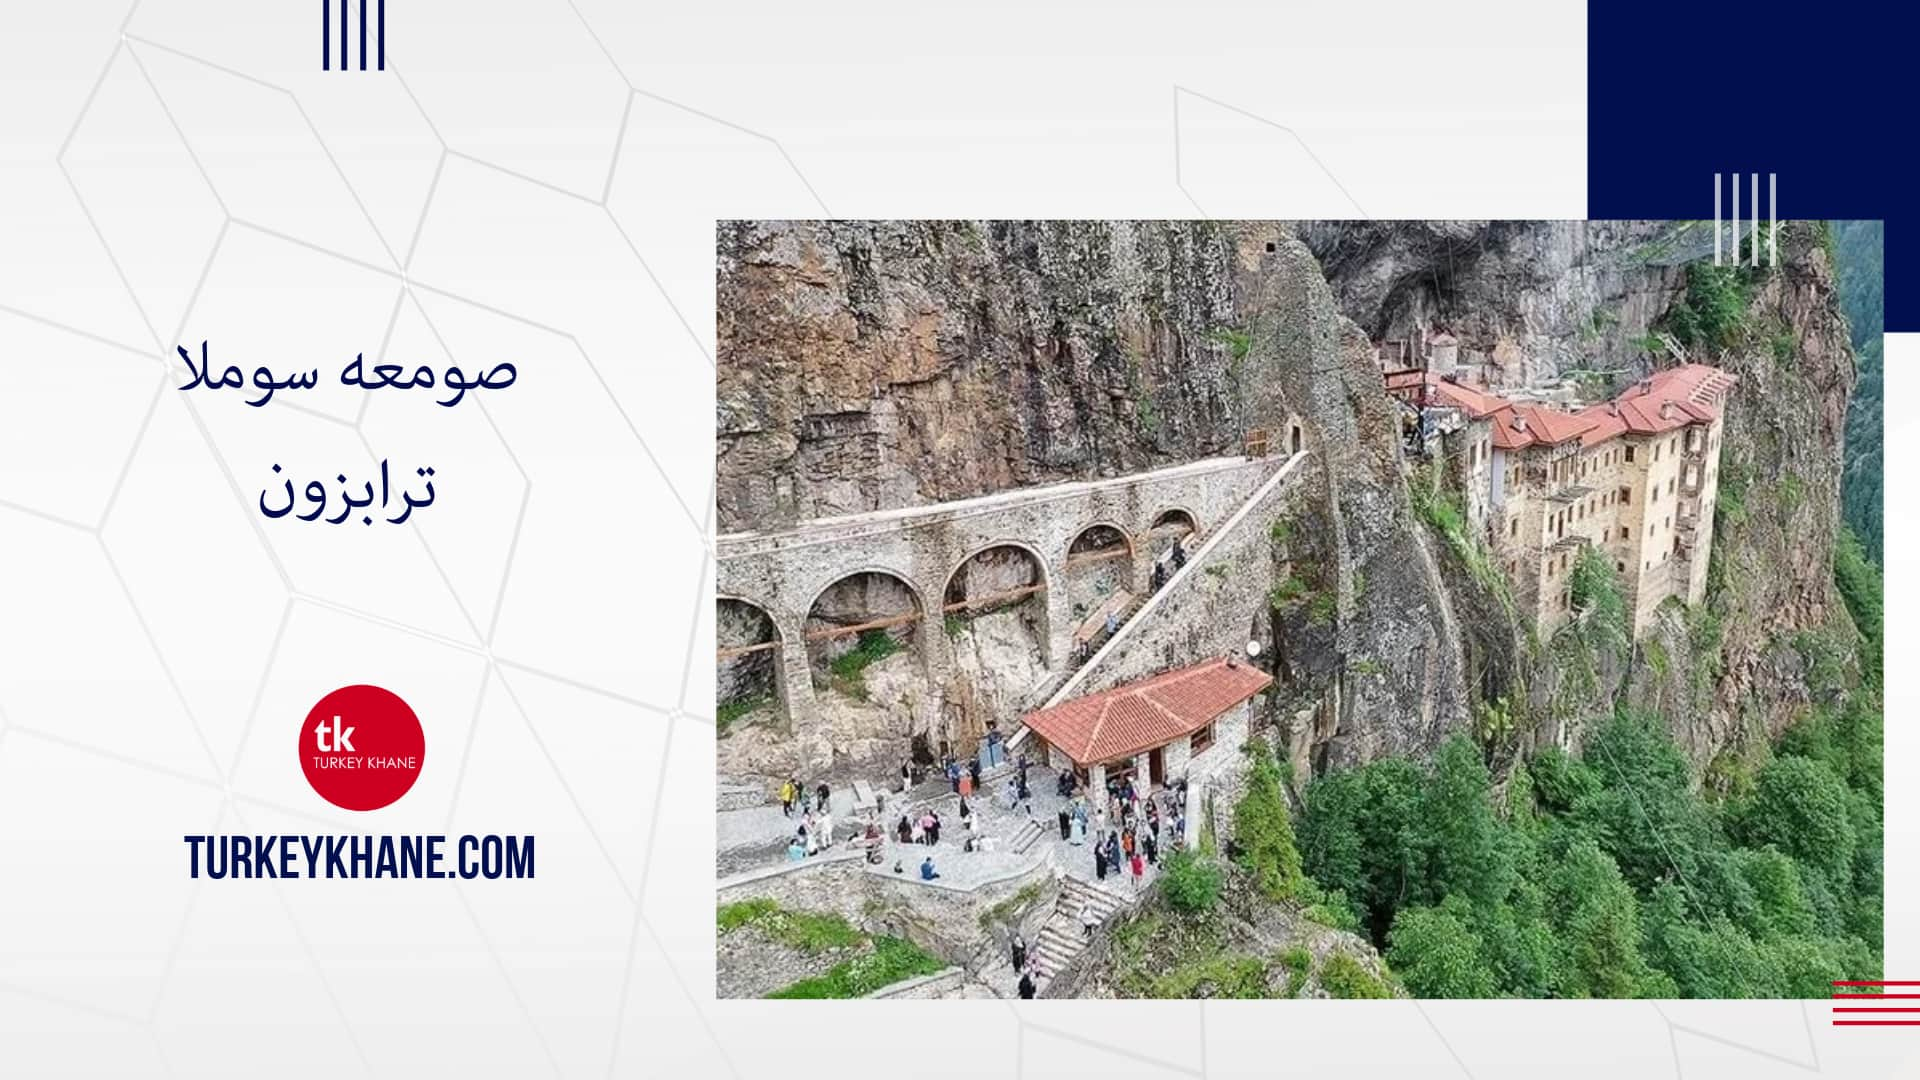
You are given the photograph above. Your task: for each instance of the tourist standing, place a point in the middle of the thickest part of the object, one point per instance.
(825, 825)
(1099, 862)
(1026, 985)
(1066, 823)
(786, 797)
(1138, 870)
(1089, 918)
(1019, 952)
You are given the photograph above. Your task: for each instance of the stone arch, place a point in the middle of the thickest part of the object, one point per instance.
(1100, 561)
(1173, 525)
(748, 678)
(1001, 574)
(996, 619)
(874, 613)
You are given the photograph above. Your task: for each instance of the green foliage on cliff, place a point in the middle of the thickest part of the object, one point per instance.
(1712, 313)
(1263, 829)
(1445, 513)
(892, 960)
(725, 713)
(1190, 881)
(1860, 586)
(1859, 266)
(850, 668)
(1608, 874)
(1343, 977)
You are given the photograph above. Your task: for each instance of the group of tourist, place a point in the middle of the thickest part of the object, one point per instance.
(795, 796)
(1125, 827)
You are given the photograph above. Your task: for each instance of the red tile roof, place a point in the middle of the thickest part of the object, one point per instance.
(1661, 402)
(1470, 399)
(1525, 424)
(1673, 398)
(1139, 716)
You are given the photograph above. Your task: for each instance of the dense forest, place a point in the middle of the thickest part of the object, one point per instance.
(1858, 262)
(1607, 874)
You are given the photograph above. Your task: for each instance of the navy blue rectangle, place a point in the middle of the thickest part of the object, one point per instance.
(1821, 95)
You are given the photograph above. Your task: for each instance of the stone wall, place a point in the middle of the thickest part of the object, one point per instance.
(911, 558)
(1213, 607)
(940, 984)
(944, 919)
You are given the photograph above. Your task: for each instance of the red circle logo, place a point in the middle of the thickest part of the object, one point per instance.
(361, 747)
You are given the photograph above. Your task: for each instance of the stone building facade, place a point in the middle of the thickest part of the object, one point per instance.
(1634, 478)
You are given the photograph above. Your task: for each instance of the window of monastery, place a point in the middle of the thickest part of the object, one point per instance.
(1623, 532)
(1628, 450)
(1670, 485)
(1626, 496)
(1202, 739)
(1620, 565)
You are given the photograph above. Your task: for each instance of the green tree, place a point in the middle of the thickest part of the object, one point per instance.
(1644, 811)
(1263, 829)
(1436, 954)
(1800, 807)
(1360, 837)
(1600, 926)
(1190, 882)
(1459, 832)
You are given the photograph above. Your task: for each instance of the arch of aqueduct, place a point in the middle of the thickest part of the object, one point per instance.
(782, 574)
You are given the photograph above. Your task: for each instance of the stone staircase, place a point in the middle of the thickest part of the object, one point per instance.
(1063, 937)
(1027, 835)
(1059, 688)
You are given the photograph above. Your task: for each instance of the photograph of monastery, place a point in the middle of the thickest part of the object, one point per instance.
(1297, 609)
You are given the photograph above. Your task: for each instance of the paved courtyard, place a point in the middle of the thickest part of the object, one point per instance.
(757, 837)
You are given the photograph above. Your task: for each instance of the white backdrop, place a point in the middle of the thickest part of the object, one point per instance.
(536, 181)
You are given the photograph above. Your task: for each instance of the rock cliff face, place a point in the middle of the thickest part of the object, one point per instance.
(1594, 295)
(867, 365)
(878, 364)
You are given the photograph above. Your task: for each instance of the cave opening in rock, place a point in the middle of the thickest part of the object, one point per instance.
(747, 679)
(995, 609)
(857, 626)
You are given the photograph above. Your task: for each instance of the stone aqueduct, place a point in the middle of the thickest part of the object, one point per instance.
(775, 579)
